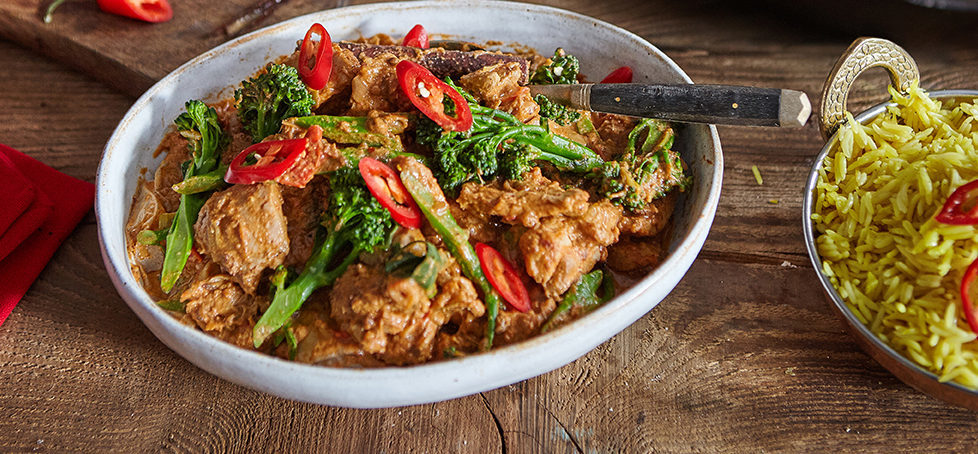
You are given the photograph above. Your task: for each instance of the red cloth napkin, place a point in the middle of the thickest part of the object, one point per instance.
(17, 191)
(26, 224)
(70, 198)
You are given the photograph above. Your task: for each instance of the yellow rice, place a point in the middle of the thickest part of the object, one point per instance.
(898, 269)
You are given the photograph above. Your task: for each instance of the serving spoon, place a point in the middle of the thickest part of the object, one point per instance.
(688, 103)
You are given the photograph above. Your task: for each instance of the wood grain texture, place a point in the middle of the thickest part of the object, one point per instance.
(744, 355)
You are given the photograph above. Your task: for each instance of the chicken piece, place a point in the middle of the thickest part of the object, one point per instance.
(375, 86)
(523, 202)
(635, 253)
(498, 87)
(565, 236)
(169, 172)
(221, 308)
(457, 299)
(650, 220)
(320, 342)
(479, 224)
(244, 231)
(322, 345)
(463, 311)
(387, 315)
(303, 208)
(610, 136)
(345, 68)
(392, 317)
(561, 249)
(513, 326)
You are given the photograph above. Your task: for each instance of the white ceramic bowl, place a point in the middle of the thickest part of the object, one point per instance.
(601, 47)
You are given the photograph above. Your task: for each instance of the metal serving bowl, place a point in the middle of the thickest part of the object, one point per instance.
(863, 54)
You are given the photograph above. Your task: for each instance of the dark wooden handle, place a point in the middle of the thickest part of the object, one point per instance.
(720, 104)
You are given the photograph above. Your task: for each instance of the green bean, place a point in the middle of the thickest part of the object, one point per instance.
(350, 130)
(210, 181)
(180, 239)
(435, 209)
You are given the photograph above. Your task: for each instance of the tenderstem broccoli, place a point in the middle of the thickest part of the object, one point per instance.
(648, 168)
(497, 144)
(265, 100)
(199, 125)
(354, 223)
(562, 69)
(559, 113)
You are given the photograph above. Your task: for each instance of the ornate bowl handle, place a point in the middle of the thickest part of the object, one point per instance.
(862, 54)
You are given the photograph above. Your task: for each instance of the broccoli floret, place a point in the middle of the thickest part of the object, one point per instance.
(642, 173)
(205, 138)
(515, 160)
(264, 101)
(497, 144)
(354, 215)
(560, 114)
(355, 222)
(562, 69)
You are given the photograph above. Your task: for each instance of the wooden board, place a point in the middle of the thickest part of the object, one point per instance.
(130, 56)
(744, 355)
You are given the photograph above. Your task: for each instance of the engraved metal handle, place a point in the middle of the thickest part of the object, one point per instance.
(862, 54)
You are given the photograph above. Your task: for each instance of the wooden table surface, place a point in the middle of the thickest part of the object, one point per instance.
(744, 355)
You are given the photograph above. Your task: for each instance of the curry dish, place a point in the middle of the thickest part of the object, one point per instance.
(372, 203)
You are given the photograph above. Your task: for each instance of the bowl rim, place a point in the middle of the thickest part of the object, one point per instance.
(915, 371)
(157, 319)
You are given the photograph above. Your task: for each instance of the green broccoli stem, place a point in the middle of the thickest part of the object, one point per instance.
(456, 239)
(313, 277)
(564, 153)
(560, 151)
